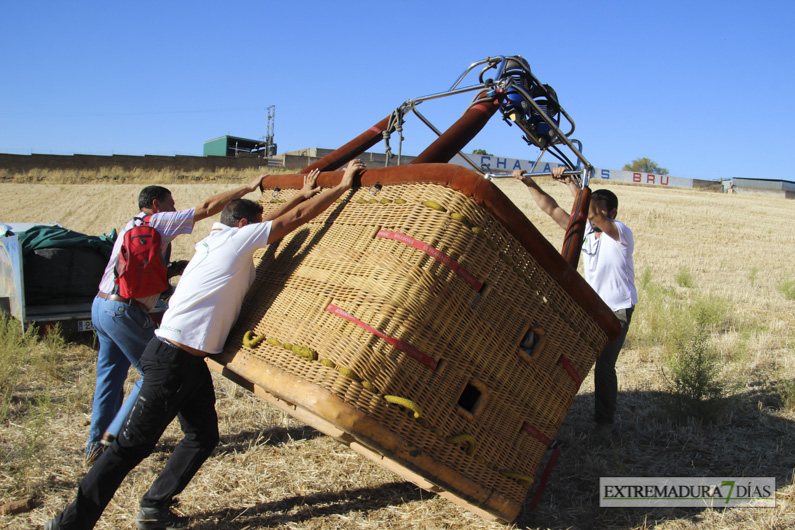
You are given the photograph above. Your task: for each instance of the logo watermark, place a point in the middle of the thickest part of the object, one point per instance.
(713, 492)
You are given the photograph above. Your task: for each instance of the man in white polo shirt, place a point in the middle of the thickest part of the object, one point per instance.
(176, 379)
(607, 261)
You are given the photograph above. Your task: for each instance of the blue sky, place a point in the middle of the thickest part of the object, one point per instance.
(703, 88)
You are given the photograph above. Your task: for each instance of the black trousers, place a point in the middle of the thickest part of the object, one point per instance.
(605, 380)
(175, 383)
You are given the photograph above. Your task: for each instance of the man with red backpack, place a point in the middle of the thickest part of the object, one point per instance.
(119, 311)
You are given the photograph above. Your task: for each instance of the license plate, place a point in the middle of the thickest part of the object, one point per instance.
(84, 325)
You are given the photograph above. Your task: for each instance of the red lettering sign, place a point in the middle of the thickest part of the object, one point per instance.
(636, 177)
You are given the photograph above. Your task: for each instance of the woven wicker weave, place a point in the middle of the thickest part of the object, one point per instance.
(412, 352)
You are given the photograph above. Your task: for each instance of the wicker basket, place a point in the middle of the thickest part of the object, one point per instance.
(394, 322)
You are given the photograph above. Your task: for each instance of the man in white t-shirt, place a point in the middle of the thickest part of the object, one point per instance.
(176, 380)
(609, 270)
(123, 326)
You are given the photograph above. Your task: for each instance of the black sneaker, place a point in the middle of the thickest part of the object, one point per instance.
(159, 519)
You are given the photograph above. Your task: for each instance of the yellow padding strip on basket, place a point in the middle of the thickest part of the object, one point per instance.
(460, 218)
(435, 205)
(307, 353)
(472, 445)
(403, 402)
(347, 372)
(250, 342)
(524, 480)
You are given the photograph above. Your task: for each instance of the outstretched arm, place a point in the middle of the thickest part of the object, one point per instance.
(216, 203)
(547, 204)
(558, 175)
(308, 210)
(309, 190)
(602, 220)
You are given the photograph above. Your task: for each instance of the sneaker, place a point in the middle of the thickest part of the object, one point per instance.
(159, 518)
(107, 439)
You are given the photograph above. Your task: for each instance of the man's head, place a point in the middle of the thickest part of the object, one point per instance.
(155, 199)
(241, 212)
(606, 201)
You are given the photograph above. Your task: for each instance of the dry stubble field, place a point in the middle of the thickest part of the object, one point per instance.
(729, 253)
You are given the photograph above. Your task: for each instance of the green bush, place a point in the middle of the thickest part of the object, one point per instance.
(713, 311)
(684, 278)
(787, 288)
(786, 390)
(693, 373)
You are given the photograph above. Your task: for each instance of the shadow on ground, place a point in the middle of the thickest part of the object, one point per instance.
(296, 509)
(245, 440)
(753, 440)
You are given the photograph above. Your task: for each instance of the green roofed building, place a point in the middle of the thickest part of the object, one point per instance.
(236, 147)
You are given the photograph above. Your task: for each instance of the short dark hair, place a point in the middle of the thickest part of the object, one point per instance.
(607, 196)
(240, 209)
(149, 194)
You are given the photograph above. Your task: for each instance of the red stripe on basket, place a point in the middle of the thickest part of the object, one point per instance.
(538, 435)
(570, 369)
(435, 253)
(397, 343)
(535, 433)
(545, 477)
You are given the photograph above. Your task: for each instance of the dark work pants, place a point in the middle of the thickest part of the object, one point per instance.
(605, 380)
(175, 383)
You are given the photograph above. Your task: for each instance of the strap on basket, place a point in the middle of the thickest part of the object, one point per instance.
(545, 475)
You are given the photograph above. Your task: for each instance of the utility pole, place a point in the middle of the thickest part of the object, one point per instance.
(270, 145)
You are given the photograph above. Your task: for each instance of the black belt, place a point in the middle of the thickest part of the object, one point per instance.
(128, 301)
(176, 346)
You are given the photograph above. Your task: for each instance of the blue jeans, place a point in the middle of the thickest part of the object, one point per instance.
(176, 384)
(124, 331)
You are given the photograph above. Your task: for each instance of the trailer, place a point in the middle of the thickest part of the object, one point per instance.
(52, 284)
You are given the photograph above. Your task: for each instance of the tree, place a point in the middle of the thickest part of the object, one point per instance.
(481, 152)
(645, 165)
